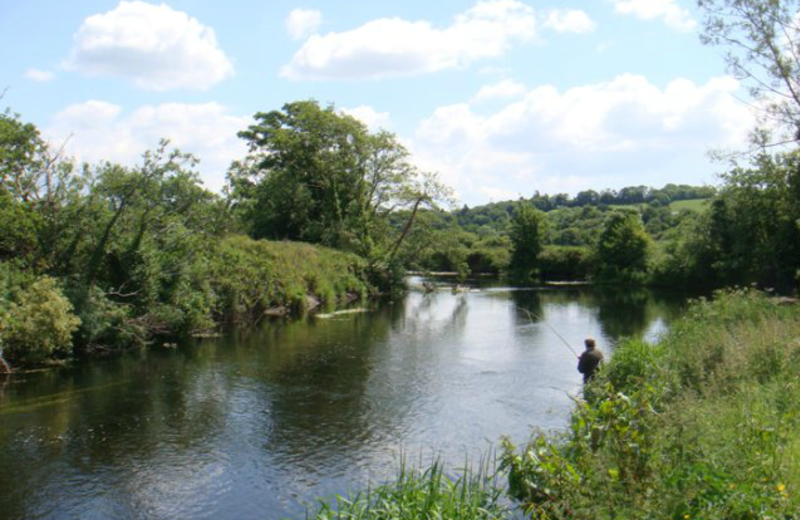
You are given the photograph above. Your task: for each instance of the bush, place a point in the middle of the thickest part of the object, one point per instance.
(106, 324)
(39, 324)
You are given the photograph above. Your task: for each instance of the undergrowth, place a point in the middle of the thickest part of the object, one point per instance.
(706, 424)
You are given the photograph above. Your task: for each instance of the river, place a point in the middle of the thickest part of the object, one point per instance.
(258, 423)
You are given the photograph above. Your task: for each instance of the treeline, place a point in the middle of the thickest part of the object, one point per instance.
(106, 256)
(745, 232)
(568, 238)
(625, 196)
(103, 257)
(497, 215)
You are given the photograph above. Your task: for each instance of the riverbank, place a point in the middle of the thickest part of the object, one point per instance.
(236, 281)
(705, 424)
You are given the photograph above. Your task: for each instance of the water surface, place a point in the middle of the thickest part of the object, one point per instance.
(258, 423)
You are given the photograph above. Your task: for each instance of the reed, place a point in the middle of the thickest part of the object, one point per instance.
(425, 494)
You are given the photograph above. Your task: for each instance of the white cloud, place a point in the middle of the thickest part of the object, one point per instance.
(623, 132)
(303, 22)
(101, 132)
(667, 10)
(154, 46)
(369, 116)
(504, 89)
(40, 76)
(569, 20)
(394, 47)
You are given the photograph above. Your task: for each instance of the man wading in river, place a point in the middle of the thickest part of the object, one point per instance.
(589, 361)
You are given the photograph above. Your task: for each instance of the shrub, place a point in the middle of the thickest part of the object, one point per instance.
(106, 324)
(39, 324)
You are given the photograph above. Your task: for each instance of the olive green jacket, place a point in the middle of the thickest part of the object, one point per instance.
(588, 363)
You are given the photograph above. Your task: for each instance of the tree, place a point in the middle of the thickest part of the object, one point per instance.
(622, 248)
(755, 223)
(763, 40)
(753, 228)
(587, 197)
(35, 187)
(527, 230)
(315, 175)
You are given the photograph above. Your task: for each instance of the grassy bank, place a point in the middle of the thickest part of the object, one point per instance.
(233, 280)
(706, 424)
(250, 277)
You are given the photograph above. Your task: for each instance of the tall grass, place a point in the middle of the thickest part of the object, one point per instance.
(249, 276)
(428, 494)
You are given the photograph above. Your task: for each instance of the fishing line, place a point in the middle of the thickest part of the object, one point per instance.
(531, 316)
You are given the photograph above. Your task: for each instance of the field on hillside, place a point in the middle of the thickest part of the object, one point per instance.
(698, 205)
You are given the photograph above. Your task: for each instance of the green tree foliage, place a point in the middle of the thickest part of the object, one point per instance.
(762, 42)
(35, 186)
(559, 263)
(753, 226)
(22, 157)
(316, 175)
(138, 251)
(527, 233)
(39, 324)
(622, 248)
(19, 225)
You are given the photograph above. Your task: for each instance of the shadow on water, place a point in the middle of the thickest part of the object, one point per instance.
(253, 424)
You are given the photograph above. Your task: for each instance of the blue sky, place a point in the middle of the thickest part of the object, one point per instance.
(501, 97)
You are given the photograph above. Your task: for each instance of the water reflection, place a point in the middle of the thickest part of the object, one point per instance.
(249, 425)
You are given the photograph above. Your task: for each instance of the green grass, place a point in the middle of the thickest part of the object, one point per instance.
(424, 495)
(696, 205)
(704, 425)
(253, 275)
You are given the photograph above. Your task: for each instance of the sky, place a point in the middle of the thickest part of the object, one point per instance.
(501, 97)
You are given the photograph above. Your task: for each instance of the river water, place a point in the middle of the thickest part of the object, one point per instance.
(258, 423)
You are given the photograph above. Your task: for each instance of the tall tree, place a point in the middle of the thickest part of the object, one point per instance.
(527, 230)
(754, 226)
(316, 175)
(622, 248)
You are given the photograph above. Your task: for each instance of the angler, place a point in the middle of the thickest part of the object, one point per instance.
(590, 360)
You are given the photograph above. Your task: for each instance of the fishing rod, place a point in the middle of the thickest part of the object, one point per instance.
(531, 316)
